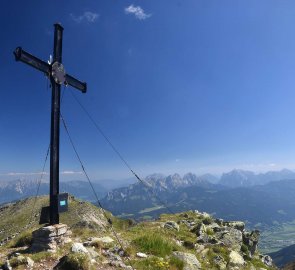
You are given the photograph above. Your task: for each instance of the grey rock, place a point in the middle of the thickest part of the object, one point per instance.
(230, 237)
(220, 262)
(267, 260)
(190, 260)
(7, 266)
(141, 255)
(49, 237)
(92, 253)
(79, 248)
(105, 239)
(250, 239)
(239, 225)
(29, 262)
(171, 225)
(235, 259)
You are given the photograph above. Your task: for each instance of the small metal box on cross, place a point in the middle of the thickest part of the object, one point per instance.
(58, 76)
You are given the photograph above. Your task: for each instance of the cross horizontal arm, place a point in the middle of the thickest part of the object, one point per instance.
(23, 56)
(82, 86)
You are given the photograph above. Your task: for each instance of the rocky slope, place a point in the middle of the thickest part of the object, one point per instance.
(190, 241)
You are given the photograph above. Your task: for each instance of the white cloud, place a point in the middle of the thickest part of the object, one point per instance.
(23, 173)
(88, 16)
(138, 12)
(71, 172)
(38, 173)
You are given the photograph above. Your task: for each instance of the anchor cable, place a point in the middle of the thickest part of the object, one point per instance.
(93, 190)
(99, 129)
(45, 161)
(39, 184)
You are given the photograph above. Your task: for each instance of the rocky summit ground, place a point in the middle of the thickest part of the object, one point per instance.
(189, 241)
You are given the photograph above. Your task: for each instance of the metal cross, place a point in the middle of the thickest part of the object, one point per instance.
(56, 72)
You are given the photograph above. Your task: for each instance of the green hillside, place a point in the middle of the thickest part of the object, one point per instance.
(188, 241)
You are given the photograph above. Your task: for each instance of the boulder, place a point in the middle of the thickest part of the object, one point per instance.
(92, 253)
(250, 239)
(199, 229)
(171, 225)
(220, 262)
(267, 260)
(29, 262)
(190, 260)
(105, 239)
(239, 225)
(79, 248)
(235, 259)
(7, 265)
(231, 238)
(141, 255)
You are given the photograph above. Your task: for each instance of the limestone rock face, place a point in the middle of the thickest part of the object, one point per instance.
(190, 260)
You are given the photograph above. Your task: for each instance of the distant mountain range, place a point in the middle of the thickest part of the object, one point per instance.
(255, 204)
(255, 198)
(241, 178)
(284, 256)
(11, 190)
(19, 189)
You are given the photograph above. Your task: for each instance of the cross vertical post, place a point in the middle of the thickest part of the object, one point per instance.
(55, 129)
(57, 75)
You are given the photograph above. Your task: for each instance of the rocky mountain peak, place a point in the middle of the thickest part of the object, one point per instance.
(189, 240)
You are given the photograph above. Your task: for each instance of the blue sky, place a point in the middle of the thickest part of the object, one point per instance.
(178, 86)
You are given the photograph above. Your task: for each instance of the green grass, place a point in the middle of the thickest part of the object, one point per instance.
(24, 239)
(75, 261)
(15, 262)
(154, 244)
(176, 263)
(218, 250)
(154, 263)
(37, 257)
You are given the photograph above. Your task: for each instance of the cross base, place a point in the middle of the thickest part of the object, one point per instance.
(48, 238)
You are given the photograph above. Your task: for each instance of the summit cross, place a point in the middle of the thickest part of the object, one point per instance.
(57, 75)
